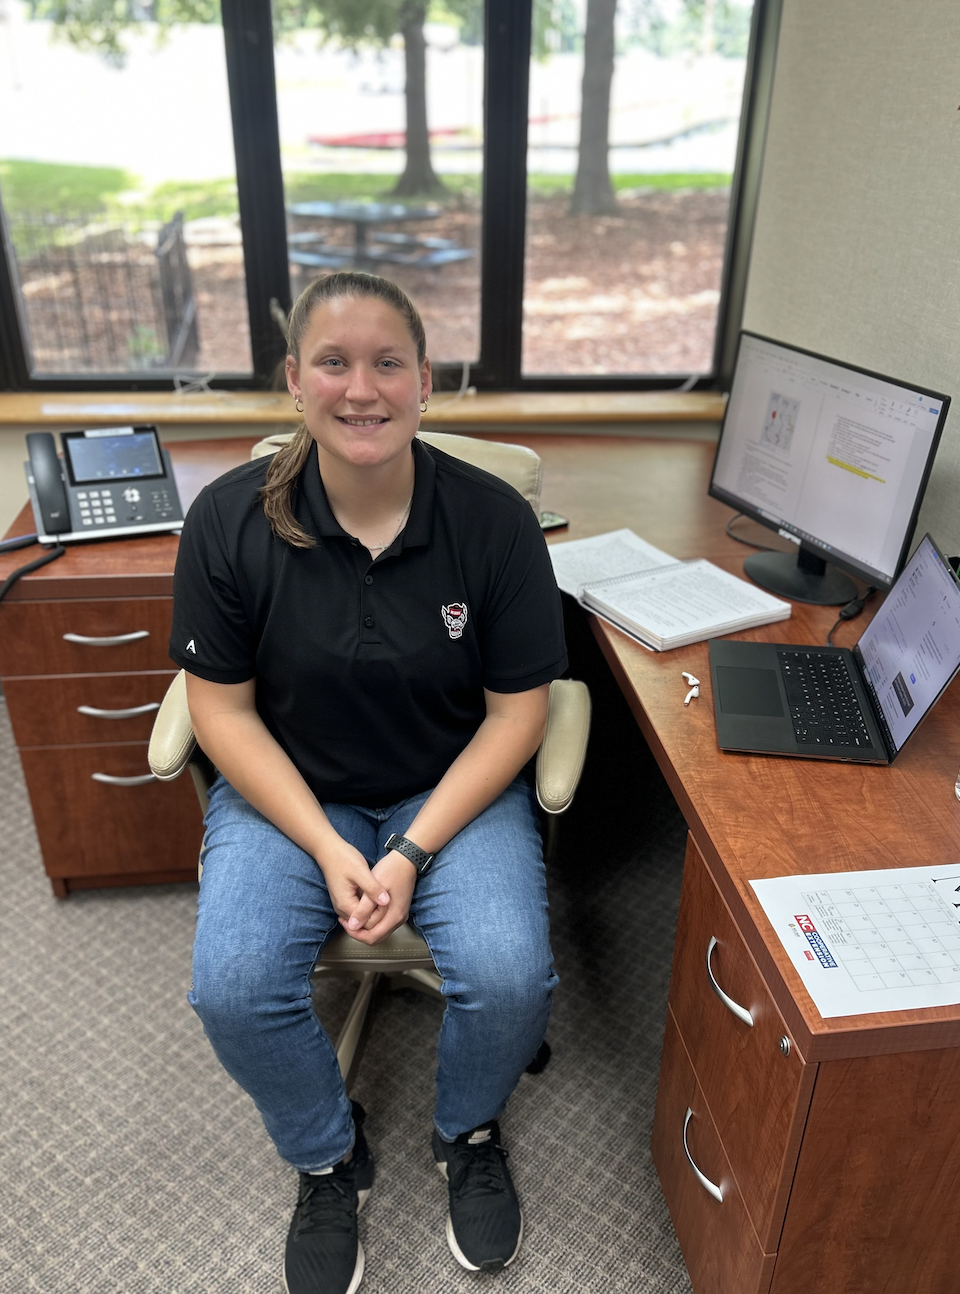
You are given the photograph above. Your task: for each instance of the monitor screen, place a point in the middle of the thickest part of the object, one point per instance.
(112, 453)
(832, 457)
(910, 649)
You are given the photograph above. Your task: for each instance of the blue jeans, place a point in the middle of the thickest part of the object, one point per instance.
(264, 915)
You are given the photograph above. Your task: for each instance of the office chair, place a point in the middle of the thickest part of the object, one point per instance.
(403, 959)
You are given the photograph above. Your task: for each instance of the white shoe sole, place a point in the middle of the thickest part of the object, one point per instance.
(452, 1239)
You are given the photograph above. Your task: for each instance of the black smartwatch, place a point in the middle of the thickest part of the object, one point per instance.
(419, 857)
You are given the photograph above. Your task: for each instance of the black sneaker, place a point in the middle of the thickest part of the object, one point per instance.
(324, 1254)
(484, 1226)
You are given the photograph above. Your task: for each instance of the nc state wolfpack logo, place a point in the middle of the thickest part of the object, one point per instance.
(455, 618)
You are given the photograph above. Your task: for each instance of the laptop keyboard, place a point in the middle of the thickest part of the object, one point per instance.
(823, 703)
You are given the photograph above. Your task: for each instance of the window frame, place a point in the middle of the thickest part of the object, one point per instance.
(248, 42)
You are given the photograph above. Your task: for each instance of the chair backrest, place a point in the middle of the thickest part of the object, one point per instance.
(515, 464)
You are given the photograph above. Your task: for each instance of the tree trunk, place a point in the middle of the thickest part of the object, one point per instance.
(708, 33)
(418, 175)
(593, 192)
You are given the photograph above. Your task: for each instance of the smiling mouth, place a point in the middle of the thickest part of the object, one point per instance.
(361, 422)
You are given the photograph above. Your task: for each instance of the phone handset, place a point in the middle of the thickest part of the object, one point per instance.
(54, 518)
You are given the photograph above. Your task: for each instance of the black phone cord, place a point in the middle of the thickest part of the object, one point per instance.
(12, 578)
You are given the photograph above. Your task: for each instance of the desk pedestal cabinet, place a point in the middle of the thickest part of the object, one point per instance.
(83, 679)
(837, 1177)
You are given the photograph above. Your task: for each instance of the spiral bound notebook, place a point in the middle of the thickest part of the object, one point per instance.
(685, 602)
(658, 600)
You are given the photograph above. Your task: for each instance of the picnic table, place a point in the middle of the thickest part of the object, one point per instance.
(372, 246)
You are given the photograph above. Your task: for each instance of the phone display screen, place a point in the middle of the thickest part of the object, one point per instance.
(113, 454)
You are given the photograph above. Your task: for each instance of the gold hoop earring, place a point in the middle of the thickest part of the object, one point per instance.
(297, 405)
(423, 406)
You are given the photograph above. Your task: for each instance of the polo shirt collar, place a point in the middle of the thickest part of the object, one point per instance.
(321, 522)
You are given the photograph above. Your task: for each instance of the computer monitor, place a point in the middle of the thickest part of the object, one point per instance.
(832, 457)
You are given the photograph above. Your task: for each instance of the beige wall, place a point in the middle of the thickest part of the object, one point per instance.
(857, 246)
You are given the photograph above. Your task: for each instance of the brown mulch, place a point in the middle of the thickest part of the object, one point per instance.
(634, 292)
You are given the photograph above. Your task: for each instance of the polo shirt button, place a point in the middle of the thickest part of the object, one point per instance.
(368, 579)
(369, 622)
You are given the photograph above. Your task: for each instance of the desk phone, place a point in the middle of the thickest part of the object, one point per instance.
(111, 481)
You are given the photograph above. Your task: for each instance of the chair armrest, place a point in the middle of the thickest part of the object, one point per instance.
(172, 742)
(559, 759)
(564, 746)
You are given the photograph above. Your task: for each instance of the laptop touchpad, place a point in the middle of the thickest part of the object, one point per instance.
(749, 691)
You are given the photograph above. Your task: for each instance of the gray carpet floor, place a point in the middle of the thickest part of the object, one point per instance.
(131, 1164)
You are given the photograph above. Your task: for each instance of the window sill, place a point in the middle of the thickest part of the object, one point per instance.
(530, 409)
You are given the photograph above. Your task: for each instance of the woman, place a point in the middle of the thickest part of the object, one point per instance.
(369, 628)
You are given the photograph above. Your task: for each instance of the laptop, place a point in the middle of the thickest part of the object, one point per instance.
(833, 703)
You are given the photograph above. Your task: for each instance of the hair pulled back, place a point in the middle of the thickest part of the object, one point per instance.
(288, 462)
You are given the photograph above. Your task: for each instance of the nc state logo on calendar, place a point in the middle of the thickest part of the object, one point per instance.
(455, 618)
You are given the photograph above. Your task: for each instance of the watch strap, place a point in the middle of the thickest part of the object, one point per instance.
(419, 857)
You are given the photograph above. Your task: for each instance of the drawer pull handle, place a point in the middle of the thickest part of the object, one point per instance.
(132, 713)
(108, 778)
(117, 640)
(711, 1187)
(739, 1011)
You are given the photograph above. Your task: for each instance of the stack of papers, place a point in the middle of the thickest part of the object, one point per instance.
(653, 597)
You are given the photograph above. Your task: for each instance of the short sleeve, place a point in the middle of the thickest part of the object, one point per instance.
(211, 636)
(522, 642)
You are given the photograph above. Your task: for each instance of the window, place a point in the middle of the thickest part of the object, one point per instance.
(121, 217)
(634, 116)
(381, 145)
(155, 226)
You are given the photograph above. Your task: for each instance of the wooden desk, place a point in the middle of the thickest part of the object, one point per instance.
(839, 1161)
(94, 833)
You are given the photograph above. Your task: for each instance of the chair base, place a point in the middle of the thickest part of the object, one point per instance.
(372, 984)
(352, 1038)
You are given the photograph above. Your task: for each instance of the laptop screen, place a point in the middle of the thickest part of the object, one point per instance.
(911, 649)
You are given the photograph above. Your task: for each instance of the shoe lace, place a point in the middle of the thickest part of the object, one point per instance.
(478, 1170)
(326, 1203)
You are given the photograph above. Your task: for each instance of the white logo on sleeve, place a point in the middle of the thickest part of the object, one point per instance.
(455, 618)
(192, 646)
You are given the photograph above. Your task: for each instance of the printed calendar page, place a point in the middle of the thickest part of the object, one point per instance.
(871, 941)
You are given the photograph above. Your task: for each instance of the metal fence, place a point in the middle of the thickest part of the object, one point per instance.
(100, 297)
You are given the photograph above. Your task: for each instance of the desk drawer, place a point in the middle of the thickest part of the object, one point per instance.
(90, 828)
(720, 1247)
(757, 1096)
(32, 636)
(45, 711)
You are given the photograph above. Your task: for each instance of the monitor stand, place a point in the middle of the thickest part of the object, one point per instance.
(804, 578)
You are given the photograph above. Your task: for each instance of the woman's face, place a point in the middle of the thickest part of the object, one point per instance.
(360, 381)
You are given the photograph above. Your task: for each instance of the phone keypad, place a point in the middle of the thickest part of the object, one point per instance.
(125, 505)
(97, 507)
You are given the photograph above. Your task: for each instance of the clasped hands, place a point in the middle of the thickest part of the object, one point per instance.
(370, 902)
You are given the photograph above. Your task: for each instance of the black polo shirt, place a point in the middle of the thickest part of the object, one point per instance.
(370, 674)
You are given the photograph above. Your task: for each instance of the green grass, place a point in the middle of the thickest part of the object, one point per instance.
(86, 190)
(549, 185)
(50, 186)
(310, 186)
